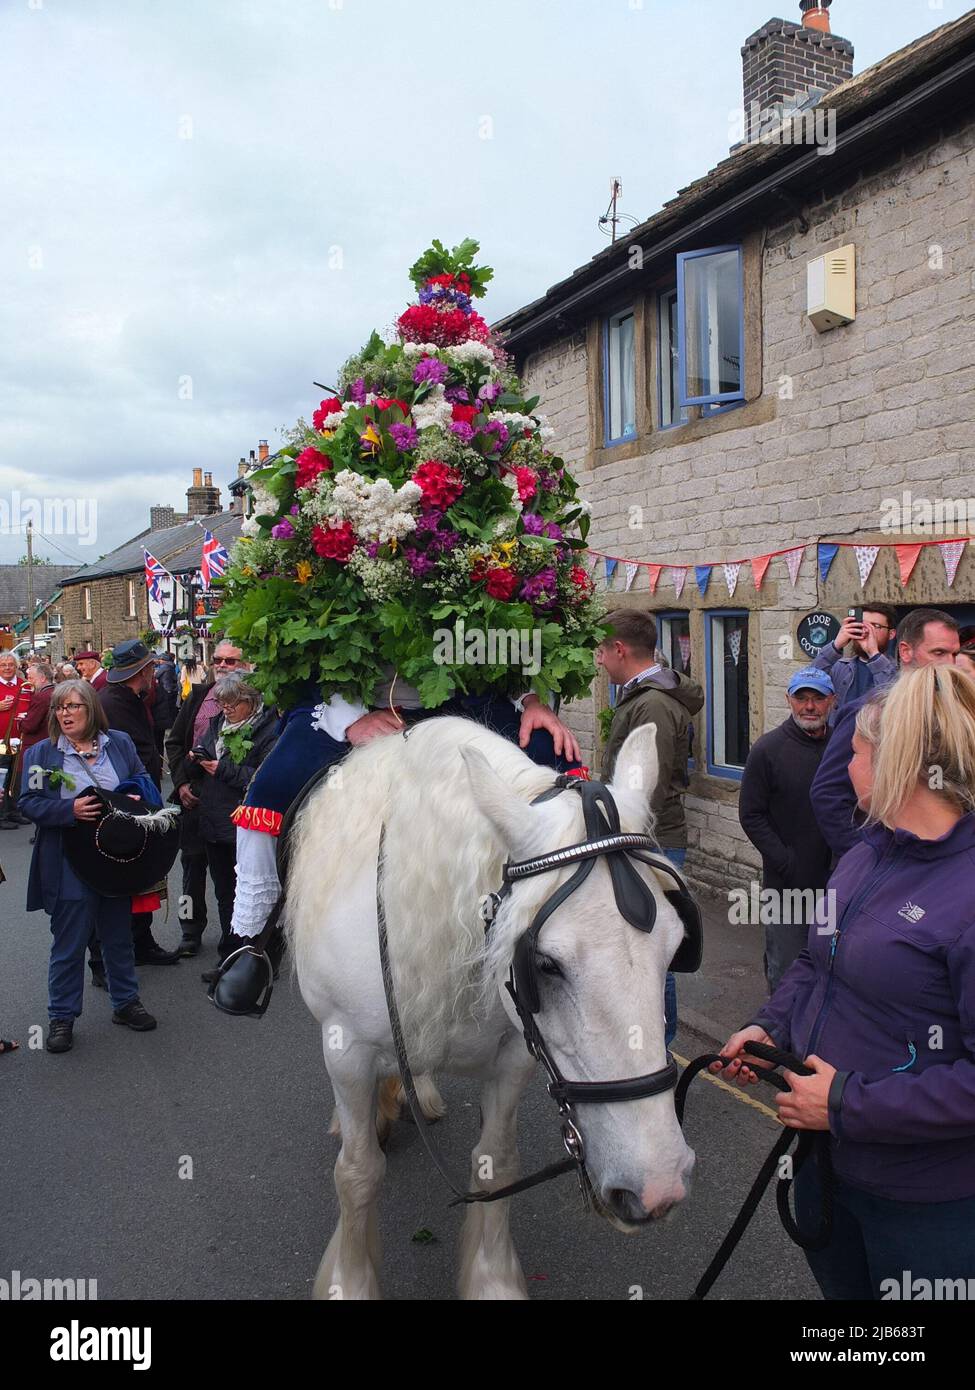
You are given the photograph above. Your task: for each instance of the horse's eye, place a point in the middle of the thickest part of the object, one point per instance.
(547, 966)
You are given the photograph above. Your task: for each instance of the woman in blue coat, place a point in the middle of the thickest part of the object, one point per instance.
(80, 753)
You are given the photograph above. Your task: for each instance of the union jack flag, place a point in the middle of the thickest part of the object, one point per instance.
(215, 559)
(156, 575)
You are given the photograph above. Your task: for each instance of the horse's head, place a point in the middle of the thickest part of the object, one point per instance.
(599, 981)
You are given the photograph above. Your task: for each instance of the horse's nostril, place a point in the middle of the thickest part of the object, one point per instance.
(626, 1205)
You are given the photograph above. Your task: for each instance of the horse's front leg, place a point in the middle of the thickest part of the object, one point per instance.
(350, 1265)
(490, 1268)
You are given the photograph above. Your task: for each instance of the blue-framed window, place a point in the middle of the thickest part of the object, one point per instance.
(619, 377)
(668, 357)
(674, 639)
(728, 722)
(711, 326)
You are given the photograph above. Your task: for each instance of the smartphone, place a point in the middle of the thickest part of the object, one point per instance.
(199, 753)
(856, 614)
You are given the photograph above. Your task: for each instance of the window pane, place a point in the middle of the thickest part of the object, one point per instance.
(675, 643)
(729, 690)
(622, 376)
(670, 411)
(712, 312)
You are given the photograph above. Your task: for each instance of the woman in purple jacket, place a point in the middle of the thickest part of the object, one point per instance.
(882, 1005)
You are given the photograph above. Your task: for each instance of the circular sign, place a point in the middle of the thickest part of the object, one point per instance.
(815, 631)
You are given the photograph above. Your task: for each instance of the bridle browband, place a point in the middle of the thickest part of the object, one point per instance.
(636, 903)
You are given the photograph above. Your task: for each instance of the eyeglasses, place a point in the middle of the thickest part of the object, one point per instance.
(226, 661)
(70, 709)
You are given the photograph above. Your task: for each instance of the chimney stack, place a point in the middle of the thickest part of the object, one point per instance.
(262, 449)
(242, 467)
(202, 499)
(786, 66)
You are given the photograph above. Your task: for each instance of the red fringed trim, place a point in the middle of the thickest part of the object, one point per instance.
(258, 818)
(582, 773)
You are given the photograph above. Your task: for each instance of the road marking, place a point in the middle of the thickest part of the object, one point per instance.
(735, 1091)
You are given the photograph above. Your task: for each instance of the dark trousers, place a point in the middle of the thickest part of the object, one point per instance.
(193, 904)
(222, 862)
(879, 1245)
(140, 927)
(72, 923)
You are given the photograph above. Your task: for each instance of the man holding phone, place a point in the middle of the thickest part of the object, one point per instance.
(865, 666)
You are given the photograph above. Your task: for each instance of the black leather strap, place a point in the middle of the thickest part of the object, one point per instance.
(611, 1092)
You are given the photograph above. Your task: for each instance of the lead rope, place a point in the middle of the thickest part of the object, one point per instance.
(811, 1144)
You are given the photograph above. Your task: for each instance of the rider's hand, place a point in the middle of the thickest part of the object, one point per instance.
(188, 797)
(741, 1067)
(539, 716)
(376, 724)
(806, 1104)
(87, 807)
(851, 631)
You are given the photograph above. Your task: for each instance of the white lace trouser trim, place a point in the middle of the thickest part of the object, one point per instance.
(257, 881)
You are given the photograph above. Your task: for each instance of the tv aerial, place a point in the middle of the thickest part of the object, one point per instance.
(611, 219)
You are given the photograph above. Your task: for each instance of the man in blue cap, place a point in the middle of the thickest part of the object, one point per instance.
(777, 816)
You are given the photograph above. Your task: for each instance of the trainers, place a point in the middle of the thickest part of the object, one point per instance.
(59, 1037)
(136, 1016)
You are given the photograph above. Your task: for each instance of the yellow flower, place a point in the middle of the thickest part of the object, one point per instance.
(369, 440)
(246, 570)
(303, 572)
(507, 547)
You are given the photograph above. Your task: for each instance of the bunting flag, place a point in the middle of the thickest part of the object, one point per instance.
(677, 574)
(654, 572)
(702, 573)
(684, 643)
(793, 558)
(731, 573)
(866, 559)
(631, 573)
(826, 554)
(734, 642)
(759, 565)
(907, 558)
(610, 569)
(951, 553)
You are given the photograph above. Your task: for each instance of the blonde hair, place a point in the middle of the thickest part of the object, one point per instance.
(922, 730)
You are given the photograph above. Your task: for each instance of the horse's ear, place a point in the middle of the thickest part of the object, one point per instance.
(635, 776)
(514, 819)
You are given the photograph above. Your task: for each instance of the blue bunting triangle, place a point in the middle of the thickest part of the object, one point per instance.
(826, 554)
(702, 573)
(610, 569)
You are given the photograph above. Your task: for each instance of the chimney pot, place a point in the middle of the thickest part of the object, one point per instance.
(252, 456)
(197, 477)
(208, 480)
(262, 449)
(815, 14)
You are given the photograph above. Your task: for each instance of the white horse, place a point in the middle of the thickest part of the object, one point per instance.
(455, 802)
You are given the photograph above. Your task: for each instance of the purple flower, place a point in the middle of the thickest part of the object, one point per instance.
(463, 431)
(405, 437)
(540, 589)
(296, 510)
(533, 523)
(419, 564)
(553, 532)
(284, 531)
(549, 481)
(430, 369)
(457, 395)
(490, 391)
(357, 391)
(372, 549)
(499, 428)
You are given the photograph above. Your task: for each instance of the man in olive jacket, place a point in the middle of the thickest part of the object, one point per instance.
(652, 694)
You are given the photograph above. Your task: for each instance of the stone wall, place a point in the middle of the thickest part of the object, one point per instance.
(834, 425)
(109, 606)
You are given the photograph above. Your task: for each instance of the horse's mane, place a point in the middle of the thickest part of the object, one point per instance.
(442, 855)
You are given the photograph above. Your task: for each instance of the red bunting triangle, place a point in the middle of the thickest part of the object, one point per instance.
(759, 565)
(654, 573)
(907, 557)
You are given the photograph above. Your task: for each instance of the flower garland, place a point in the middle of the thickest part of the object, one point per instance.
(422, 497)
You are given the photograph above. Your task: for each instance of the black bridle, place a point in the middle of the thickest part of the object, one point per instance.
(636, 904)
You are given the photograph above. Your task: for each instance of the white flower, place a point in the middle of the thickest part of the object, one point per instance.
(584, 505)
(376, 511)
(420, 350)
(515, 422)
(471, 351)
(262, 503)
(435, 410)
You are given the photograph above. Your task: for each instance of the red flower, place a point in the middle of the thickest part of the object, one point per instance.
(326, 409)
(580, 578)
(334, 542)
(311, 464)
(464, 414)
(424, 323)
(479, 571)
(502, 584)
(527, 480)
(384, 403)
(440, 485)
(445, 280)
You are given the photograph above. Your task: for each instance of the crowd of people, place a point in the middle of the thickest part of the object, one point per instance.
(865, 792)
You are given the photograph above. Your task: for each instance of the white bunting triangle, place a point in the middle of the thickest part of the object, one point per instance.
(631, 573)
(793, 558)
(677, 576)
(731, 573)
(866, 559)
(951, 553)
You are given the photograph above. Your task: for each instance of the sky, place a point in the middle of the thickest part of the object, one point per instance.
(207, 205)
